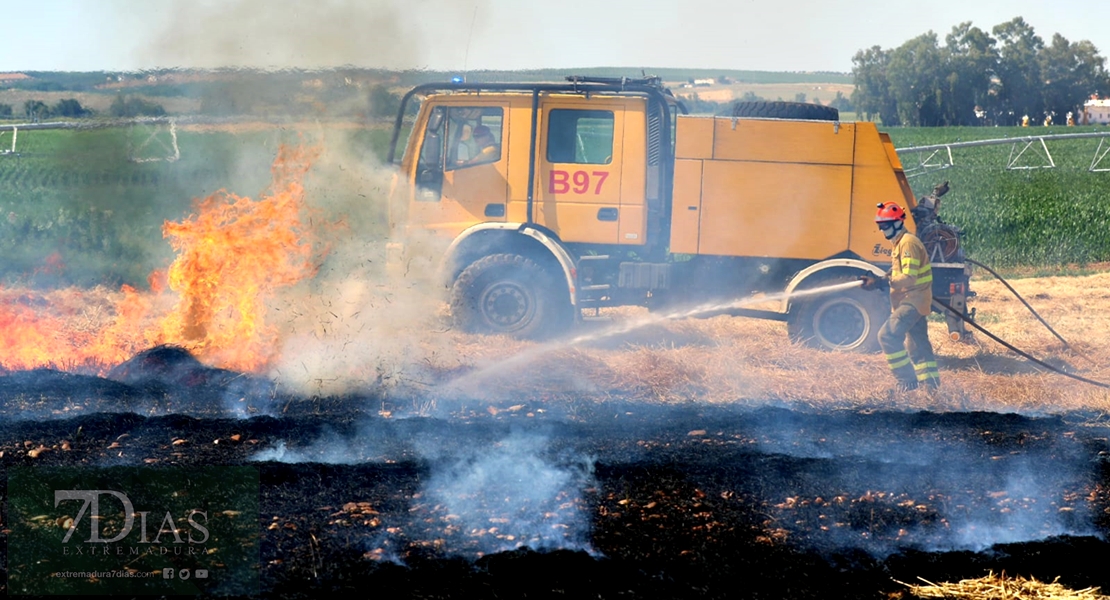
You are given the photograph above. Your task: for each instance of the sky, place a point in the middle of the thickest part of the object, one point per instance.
(459, 35)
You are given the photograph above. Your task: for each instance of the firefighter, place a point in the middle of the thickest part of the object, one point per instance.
(488, 150)
(905, 335)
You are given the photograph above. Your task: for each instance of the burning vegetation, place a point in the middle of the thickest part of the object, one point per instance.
(233, 254)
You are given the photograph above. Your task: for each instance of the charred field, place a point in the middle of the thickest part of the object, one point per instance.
(691, 458)
(615, 499)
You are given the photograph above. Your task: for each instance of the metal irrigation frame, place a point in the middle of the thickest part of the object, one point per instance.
(151, 125)
(930, 160)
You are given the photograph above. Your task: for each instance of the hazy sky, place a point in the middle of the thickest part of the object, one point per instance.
(771, 35)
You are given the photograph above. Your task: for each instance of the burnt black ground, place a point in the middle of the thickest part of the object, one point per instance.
(679, 502)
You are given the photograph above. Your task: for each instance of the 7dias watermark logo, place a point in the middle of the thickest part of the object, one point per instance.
(131, 530)
(195, 519)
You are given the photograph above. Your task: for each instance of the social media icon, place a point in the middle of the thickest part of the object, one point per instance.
(201, 573)
(183, 574)
(167, 573)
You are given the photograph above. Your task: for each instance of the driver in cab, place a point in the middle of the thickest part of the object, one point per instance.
(488, 148)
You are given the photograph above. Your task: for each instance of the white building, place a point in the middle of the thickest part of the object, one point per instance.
(1096, 110)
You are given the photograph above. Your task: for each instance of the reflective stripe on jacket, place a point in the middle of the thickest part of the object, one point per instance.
(911, 274)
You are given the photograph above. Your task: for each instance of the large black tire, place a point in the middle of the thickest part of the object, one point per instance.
(785, 110)
(847, 321)
(511, 295)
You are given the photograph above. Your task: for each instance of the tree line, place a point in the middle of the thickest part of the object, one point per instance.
(977, 78)
(37, 110)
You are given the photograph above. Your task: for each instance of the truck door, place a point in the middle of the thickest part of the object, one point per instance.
(579, 170)
(460, 173)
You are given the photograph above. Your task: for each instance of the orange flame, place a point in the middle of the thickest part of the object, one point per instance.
(232, 256)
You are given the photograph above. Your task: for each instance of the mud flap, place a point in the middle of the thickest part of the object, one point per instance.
(957, 329)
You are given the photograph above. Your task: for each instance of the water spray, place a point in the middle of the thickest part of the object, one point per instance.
(534, 353)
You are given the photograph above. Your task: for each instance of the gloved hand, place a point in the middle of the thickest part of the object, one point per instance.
(869, 282)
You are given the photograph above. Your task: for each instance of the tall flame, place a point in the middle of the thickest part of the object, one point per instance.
(233, 254)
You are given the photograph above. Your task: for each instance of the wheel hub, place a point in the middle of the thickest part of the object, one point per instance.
(507, 306)
(841, 324)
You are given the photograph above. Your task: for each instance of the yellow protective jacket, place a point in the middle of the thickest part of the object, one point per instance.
(911, 274)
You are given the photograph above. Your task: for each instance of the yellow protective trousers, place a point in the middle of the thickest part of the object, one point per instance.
(905, 340)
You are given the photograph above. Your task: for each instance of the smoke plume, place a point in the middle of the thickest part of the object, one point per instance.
(356, 327)
(516, 492)
(283, 35)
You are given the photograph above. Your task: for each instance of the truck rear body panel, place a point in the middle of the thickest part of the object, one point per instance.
(781, 188)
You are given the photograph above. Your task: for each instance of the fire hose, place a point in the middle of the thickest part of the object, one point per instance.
(1018, 296)
(1011, 347)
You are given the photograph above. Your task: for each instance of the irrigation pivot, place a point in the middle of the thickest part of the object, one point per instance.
(939, 156)
(150, 138)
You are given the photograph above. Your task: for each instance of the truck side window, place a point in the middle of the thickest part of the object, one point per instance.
(580, 136)
(473, 136)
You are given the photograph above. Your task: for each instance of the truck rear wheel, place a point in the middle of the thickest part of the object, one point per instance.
(508, 294)
(847, 321)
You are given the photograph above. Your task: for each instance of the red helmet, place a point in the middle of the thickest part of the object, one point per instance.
(889, 211)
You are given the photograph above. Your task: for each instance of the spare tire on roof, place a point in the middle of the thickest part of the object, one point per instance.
(784, 110)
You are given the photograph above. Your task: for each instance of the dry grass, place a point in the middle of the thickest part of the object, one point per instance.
(749, 361)
(1001, 587)
(723, 360)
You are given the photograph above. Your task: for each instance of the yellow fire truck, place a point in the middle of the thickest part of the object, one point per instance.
(553, 199)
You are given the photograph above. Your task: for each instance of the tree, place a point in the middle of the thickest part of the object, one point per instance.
(69, 107)
(5, 111)
(383, 103)
(118, 108)
(1019, 69)
(972, 60)
(1071, 72)
(36, 109)
(976, 75)
(800, 97)
(872, 97)
(916, 80)
(131, 106)
(842, 103)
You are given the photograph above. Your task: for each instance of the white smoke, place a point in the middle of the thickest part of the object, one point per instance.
(921, 490)
(359, 327)
(511, 495)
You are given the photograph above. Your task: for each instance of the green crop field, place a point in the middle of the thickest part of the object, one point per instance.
(1022, 217)
(75, 210)
(74, 207)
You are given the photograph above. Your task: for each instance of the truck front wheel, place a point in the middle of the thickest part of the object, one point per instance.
(844, 321)
(508, 294)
